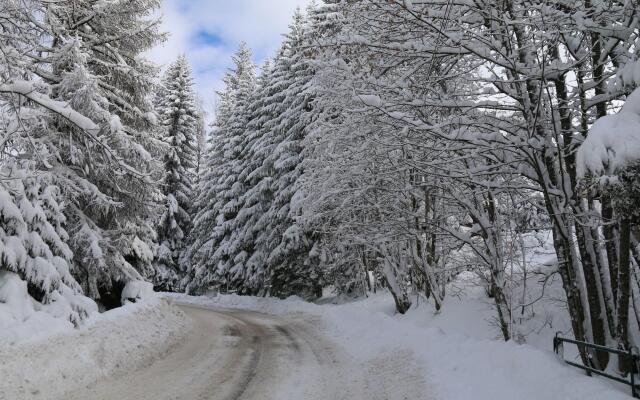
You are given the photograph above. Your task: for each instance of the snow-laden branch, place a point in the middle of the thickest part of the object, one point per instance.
(27, 89)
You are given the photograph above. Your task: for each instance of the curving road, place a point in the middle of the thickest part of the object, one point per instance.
(244, 355)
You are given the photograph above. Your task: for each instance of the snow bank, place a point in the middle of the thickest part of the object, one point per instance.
(111, 343)
(461, 360)
(613, 141)
(268, 305)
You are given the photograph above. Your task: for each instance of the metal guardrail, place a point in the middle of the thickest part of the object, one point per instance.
(632, 356)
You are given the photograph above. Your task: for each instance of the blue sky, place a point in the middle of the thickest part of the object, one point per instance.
(209, 31)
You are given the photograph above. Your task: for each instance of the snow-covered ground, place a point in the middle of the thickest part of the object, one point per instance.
(47, 363)
(454, 355)
(456, 352)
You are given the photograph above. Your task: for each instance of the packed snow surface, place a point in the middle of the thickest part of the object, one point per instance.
(613, 140)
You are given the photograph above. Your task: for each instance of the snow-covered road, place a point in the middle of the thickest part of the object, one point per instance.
(247, 355)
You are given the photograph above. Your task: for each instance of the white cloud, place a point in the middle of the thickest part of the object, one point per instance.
(260, 23)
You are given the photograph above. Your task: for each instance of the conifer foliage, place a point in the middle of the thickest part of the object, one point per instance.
(210, 255)
(283, 241)
(33, 242)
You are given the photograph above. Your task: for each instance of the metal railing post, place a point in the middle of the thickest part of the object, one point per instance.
(633, 381)
(556, 342)
(633, 360)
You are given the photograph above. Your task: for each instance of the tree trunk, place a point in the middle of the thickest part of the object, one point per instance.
(609, 231)
(605, 257)
(393, 280)
(502, 308)
(570, 283)
(586, 246)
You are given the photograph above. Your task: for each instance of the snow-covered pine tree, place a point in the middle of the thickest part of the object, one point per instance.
(208, 261)
(249, 266)
(33, 241)
(251, 224)
(109, 82)
(180, 120)
(204, 218)
(228, 258)
(83, 103)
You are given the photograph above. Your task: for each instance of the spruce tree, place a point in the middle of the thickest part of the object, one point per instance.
(227, 257)
(108, 81)
(257, 192)
(291, 267)
(257, 243)
(180, 120)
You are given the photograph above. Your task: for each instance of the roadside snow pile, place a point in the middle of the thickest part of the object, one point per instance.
(111, 343)
(613, 140)
(137, 291)
(461, 360)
